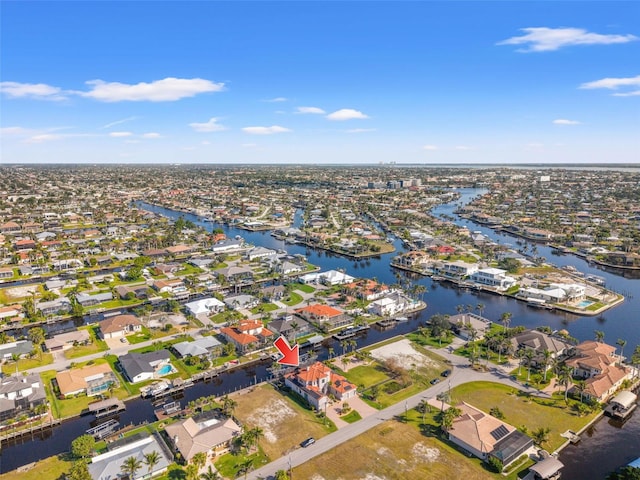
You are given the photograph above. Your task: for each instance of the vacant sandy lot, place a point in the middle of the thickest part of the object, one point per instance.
(404, 353)
(20, 292)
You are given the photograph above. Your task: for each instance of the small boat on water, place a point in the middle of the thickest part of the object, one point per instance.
(402, 319)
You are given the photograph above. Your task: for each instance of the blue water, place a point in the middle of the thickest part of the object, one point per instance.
(585, 303)
(165, 370)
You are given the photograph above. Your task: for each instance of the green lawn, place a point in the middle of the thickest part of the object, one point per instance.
(367, 375)
(188, 269)
(351, 417)
(51, 467)
(228, 465)
(292, 299)
(303, 287)
(520, 410)
(264, 308)
(27, 363)
(96, 345)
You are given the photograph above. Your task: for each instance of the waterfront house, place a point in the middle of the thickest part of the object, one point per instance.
(235, 275)
(367, 289)
(247, 335)
(238, 302)
(205, 306)
(227, 246)
(457, 269)
(485, 436)
(59, 306)
(20, 348)
(108, 466)
(493, 277)
(6, 272)
(20, 394)
(273, 293)
(317, 382)
(132, 291)
(323, 315)
(11, 312)
(88, 300)
(539, 342)
(205, 433)
(596, 363)
(201, 347)
(331, 277)
(119, 326)
(65, 341)
(291, 327)
(139, 367)
(173, 286)
(257, 253)
(463, 324)
(91, 380)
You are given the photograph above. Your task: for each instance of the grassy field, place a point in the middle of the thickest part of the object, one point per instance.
(303, 287)
(285, 423)
(367, 375)
(521, 410)
(393, 451)
(27, 363)
(50, 468)
(292, 299)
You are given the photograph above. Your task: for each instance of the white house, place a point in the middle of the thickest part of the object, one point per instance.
(206, 305)
(493, 277)
(458, 269)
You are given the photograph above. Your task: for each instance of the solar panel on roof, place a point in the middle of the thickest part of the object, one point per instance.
(499, 432)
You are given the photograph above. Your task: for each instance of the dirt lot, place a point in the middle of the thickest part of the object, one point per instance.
(284, 423)
(391, 451)
(405, 354)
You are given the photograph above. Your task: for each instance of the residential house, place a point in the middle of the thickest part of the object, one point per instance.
(392, 304)
(20, 348)
(257, 253)
(136, 291)
(11, 312)
(539, 342)
(291, 327)
(288, 268)
(457, 269)
(119, 326)
(316, 382)
(238, 302)
(235, 275)
(227, 246)
(88, 300)
(59, 306)
(108, 466)
(167, 268)
(493, 277)
(20, 394)
(273, 293)
(205, 306)
(247, 335)
(6, 272)
(10, 228)
(65, 341)
(485, 436)
(90, 380)
(323, 315)
(596, 363)
(139, 367)
(206, 433)
(464, 324)
(174, 286)
(367, 289)
(413, 259)
(180, 249)
(201, 347)
(331, 277)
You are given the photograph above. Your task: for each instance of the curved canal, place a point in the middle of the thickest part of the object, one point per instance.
(620, 322)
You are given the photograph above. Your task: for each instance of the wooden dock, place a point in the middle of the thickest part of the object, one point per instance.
(107, 407)
(104, 429)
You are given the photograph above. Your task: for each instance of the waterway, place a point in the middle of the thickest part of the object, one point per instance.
(620, 322)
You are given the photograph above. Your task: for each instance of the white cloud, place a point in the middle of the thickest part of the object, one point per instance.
(7, 131)
(543, 39)
(120, 134)
(40, 91)
(151, 135)
(165, 90)
(633, 83)
(276, 100)
(211, 126)
(265, 130)
(45, 137)
(430, 147)
(564, 121)
(346, 114)
(118, 122)
(314, 110)
(361, 130)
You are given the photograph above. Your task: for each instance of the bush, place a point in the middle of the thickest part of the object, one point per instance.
(495, 464)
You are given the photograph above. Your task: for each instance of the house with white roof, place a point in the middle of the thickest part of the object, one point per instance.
(201, 347)
(205, 306)
(493, 277)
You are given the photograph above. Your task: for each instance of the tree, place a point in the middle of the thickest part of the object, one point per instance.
(635, 359)
(528, 355)
(625, 473)
(480, 307)
(564, 378)
(506, 320)
(580, 386)
(281, 475)
(130, 467)
(210, 474)
(192, 472)
(541, 435)
(228, 405)
(622, 344)
(83, 446)
(36, 335)
(599, 335)
(79, 471)
(547, 357)
(151, 459)
(448, 416)
(245, 466)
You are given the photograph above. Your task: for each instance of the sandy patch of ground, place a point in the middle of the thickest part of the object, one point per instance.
(404, 353)
(270, 416)
(372, 476)
(422, 453)
(21, 292)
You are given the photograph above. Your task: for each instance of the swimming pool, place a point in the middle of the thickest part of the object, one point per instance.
(166, 369)
(585, 303)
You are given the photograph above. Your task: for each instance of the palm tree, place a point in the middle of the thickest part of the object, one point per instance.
(547, 355)
(528, 355)
(564, 378)
(210, 474)
(599, 335)
(506, 320)
(199, 459)
(151, 459)
(245, 466)
(480, 307)
(622, 343)
(331, 351)
(541, 435)
(130, 466)
(581, 386)
(228, 405)
(635, 359)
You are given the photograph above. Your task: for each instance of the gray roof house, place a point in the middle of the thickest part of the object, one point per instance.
(19, 394)
(87, 300)
(108, 465)
(21, 347)
(144, 366)
(197, 348)
(241, 301)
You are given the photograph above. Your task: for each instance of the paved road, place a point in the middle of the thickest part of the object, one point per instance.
(461, 373)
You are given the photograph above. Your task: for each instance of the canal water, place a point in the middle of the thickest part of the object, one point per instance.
(620, 322)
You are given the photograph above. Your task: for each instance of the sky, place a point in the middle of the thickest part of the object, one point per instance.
(306, 82)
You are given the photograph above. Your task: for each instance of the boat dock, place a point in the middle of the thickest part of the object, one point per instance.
(388, 323)
(104, 429)
(107, 407)
(622, 405)
(572, 436)
(350, 332)
(167, 410)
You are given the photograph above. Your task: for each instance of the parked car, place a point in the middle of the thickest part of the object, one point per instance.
(434, 381)
(307, 442)
(446, 373)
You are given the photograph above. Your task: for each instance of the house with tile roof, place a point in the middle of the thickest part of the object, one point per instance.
(204, 433)
(20, 394)
(247, 335)
(317, 382)
(323, 315)
(119, 326)
(596, 363)
(486, 436)
(92, 380)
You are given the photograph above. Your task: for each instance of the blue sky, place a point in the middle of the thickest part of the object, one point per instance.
(320, 82)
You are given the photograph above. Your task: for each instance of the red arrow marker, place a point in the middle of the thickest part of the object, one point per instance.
(289, 355)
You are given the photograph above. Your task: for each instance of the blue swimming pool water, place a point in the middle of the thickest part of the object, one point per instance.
(585, 303)
(164, 370)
